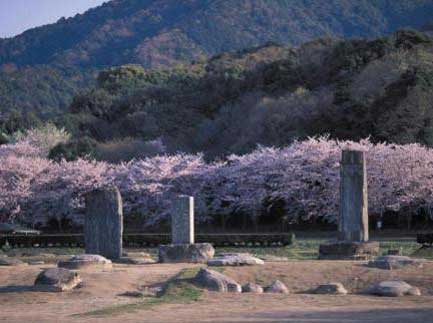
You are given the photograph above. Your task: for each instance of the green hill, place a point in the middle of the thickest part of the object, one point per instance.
(155, 32)
(269, 95)
(43, 68)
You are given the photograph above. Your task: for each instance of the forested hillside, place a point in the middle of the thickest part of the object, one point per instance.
(32, 94)
(269, 95)
(41, 69)
(154, 32)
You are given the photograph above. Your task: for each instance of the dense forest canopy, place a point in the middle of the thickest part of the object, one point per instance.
(269, 95)
(43, 68)
(155, 32)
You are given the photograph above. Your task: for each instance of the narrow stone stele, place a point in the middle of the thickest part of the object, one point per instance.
(353, 238)
(182, 220)
(103, 228)
(183, 249)
(353, 223)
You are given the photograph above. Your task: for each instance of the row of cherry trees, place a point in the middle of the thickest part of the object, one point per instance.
(303, 177)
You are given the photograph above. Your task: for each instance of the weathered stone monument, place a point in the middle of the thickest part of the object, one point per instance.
(353, 223)
(103, 228)
(182, 221)
(353, 241)
(183, 248)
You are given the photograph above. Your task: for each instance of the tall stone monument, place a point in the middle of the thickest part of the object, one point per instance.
(182, 220)
(353, 241)
(353, 220)
(103, 228)
(183, 248)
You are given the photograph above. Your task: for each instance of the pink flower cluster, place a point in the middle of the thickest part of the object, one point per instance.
(304, 176)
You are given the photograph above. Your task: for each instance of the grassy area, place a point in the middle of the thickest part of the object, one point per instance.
(178, 290)
(31, 252)
(308, 249)
(48, 255)
(302, 249)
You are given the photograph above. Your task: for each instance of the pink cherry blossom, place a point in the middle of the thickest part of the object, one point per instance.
(304, 176)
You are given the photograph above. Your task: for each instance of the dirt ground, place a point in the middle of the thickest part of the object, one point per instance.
(101, 289)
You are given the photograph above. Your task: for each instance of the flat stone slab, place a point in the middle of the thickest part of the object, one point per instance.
(277, 287)
(252, 288)
(36, 263)
(349, 250)
(330, 289)
(9, 262)
(272, 258)
(215, 281)
(85, 261)
(395, 262)
(57, 280)
(135, 261)
(235, 259)
(186, 253)
(393, 289)
(138, 254)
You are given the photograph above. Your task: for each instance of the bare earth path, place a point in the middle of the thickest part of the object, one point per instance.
(101, 289)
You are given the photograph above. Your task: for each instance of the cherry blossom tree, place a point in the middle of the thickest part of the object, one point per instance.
(303, 177)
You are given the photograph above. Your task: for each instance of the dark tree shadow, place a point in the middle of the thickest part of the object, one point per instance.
(392, 315)
(17, 289)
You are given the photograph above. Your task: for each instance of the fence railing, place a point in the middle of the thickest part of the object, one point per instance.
(149, 239)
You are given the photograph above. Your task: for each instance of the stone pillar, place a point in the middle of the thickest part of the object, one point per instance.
(182, 220)
(353, 222)
(183, 248)
(352, 240)
(103, 228)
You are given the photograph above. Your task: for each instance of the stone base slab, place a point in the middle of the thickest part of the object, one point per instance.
(349, 250)
(235, 259)
(85, 261)
(395, 262)
(135, 261)
(186, 253)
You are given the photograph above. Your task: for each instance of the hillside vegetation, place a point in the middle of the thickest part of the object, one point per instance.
(270, 96)
(41, 69)
(155, 32)
(33, 94)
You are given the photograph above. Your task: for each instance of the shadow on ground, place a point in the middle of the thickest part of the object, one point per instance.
(342, 316)
(16, 289)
